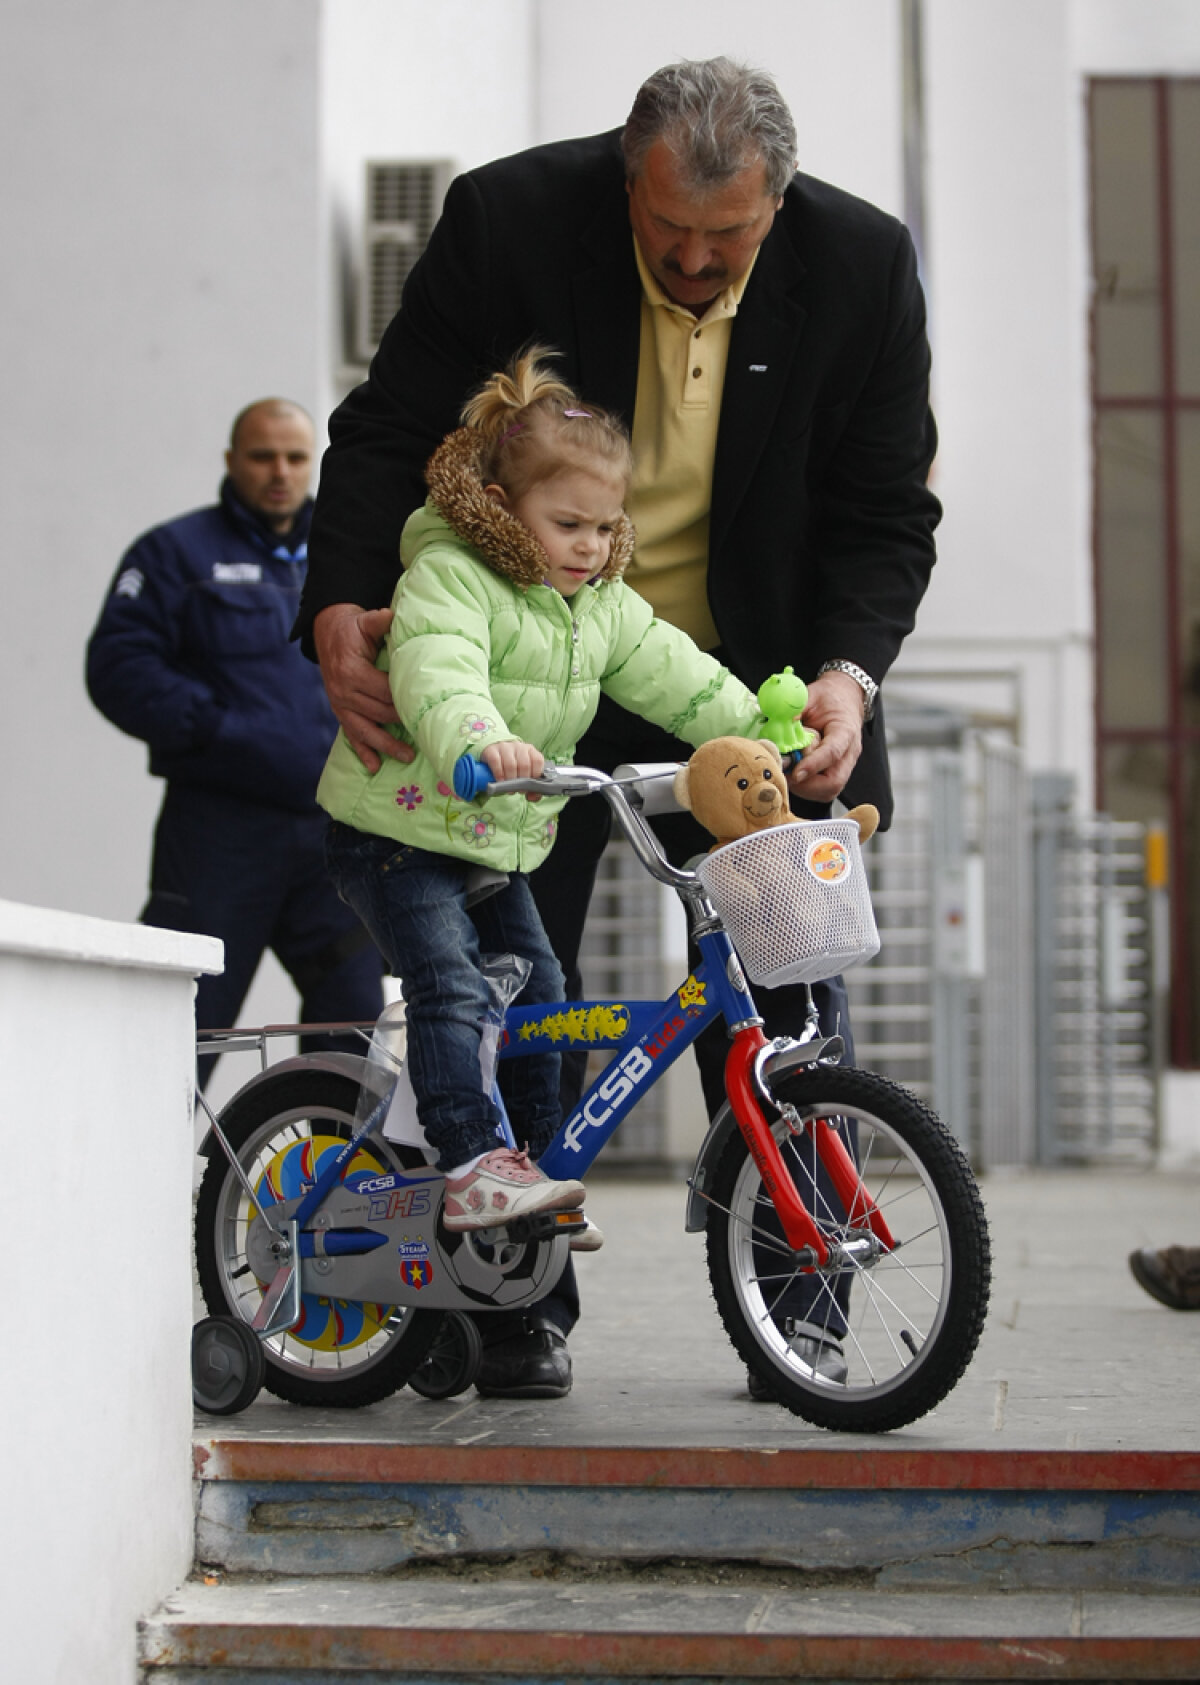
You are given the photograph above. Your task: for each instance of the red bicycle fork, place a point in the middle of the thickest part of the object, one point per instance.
(798, 1226)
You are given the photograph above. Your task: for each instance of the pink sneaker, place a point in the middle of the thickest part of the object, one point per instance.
(504, 1185)
(589, 1239)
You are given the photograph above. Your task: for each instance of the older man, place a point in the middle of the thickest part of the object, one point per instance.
(192, 655)
(763, 334)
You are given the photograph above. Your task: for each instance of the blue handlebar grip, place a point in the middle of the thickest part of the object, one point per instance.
(471, 777)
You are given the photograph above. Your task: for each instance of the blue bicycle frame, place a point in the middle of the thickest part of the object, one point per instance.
(648, 1036)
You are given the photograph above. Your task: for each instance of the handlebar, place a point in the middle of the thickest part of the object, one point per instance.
(471, 778)
(629, 792)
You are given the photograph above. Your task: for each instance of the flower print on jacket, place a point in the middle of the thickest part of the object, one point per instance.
(408, 796)
(479, 829)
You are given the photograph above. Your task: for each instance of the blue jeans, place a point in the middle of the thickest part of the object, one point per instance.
(413, 902)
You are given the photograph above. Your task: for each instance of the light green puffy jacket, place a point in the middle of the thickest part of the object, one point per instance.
(476, 655)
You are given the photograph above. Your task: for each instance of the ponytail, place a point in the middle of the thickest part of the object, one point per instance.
(534, 426)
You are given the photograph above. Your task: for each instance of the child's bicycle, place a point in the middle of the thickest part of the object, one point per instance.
(841, 1216)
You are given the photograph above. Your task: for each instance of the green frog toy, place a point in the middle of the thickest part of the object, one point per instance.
(781, 698)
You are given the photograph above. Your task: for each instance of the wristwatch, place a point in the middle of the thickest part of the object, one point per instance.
(864, 680)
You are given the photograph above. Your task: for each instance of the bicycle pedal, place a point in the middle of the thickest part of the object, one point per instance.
(545, 1225)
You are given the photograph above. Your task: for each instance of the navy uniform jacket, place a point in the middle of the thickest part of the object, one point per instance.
(191, 654)
(821, 529)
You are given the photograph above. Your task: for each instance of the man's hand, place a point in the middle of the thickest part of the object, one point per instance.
(835, 709)
(347, 640)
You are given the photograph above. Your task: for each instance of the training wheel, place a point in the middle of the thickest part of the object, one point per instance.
(228, 1365)
(453, 1360)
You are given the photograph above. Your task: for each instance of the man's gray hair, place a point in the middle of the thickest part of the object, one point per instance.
(717, 117)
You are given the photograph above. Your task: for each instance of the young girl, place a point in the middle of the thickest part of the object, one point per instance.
(508, 621)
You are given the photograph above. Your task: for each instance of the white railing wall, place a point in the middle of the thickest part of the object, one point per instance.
(96, 1061)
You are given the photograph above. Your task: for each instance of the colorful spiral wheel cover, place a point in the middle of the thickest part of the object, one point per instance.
(325, 1324)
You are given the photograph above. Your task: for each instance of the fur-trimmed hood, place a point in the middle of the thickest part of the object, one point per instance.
(456, 486)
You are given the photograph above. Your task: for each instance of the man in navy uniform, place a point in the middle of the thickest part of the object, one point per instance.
(192, 655)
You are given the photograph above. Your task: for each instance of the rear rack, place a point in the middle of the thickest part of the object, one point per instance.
(247, 1039)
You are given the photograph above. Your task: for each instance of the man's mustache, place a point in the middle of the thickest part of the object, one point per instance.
(713, 272)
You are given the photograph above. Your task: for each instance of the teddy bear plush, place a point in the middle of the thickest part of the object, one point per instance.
(736, 786)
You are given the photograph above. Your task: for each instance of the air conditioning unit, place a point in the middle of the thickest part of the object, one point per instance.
(403, 201)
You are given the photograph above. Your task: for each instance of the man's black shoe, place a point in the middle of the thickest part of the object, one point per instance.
(758, 1389)
(1172, 1275)
(824, 1356)
(532, 1364)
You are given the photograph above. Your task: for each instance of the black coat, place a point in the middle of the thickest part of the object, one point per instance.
(821, 527)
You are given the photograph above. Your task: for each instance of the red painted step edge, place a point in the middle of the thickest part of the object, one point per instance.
(637, 1466)
(739, 1655)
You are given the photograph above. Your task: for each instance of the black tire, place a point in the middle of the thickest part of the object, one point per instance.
(350, 1354)
(453, 1360)
(228, 1365)
(907, 1320)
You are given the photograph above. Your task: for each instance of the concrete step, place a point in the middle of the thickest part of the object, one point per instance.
(657, 1524)
(448, 1629)
(901, 1519)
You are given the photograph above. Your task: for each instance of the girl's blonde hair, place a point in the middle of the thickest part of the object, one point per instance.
(534, 426)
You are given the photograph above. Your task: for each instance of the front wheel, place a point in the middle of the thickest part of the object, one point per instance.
(880, 1334)
(284, 1131)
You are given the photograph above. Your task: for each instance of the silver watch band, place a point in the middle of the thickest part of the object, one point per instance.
(863, 679)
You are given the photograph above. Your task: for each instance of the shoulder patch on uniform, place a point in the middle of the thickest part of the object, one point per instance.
(237, 573)
(130, 583)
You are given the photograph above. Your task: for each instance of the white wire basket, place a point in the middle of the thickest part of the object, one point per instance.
(795, 900)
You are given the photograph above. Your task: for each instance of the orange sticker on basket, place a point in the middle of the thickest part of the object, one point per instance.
(827, 859)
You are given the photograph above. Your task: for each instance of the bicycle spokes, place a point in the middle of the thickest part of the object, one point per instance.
(879, 1332)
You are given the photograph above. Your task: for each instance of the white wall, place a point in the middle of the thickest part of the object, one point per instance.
(1007, 254)
(159, 200)
(96, 1048)
(1006, 270)
(401, 79)
(160, 196)
(1135, 37)
(837, 66)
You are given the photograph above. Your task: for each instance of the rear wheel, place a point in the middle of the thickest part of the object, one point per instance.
(341, 1353)
(880, 1334)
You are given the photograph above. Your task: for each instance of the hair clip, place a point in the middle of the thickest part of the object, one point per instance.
(508, 432)
(584, 415)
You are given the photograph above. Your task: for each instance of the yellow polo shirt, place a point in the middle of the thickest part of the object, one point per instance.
(681, 375)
